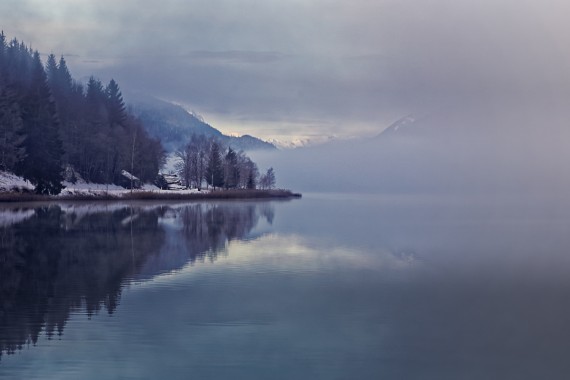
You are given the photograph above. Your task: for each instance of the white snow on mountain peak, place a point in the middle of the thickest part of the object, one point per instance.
(400, 123)
(302, 142)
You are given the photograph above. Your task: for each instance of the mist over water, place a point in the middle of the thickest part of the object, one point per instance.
(496, 147)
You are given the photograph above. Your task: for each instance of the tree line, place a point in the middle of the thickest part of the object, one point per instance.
(53, 127)
(205, 160)
(50, 122)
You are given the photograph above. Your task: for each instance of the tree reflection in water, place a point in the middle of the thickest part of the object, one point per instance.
(59, 259)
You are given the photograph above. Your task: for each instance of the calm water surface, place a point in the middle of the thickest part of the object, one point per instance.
(326, 287)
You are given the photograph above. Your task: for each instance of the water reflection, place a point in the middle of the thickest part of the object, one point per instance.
(58, 259)
(341, 287)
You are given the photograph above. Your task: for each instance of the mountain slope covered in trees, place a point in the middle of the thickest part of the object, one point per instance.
(49, 122)
(174, 126)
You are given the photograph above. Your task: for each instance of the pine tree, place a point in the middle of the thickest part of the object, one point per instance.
(2, 56)
(95, 99)
(54, 121)
(51, 70)
(42, 164)
(11, 127)
(115, 104)
(95, 157)
(60, 82)
(64, 76)
(11, 130)
(61, 85)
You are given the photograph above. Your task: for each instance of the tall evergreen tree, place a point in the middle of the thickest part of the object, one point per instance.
(95, 98)
(11, 130)
(115, 104)
(51, 70)
(42, 163)
(95, 156)
(2, 55)
(61, 85)
(18, 63)
(60, 82)
(64, 78)
(119, 133)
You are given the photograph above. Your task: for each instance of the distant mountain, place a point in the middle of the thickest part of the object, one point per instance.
(174, 125)
(398, 127)
(302, 142)
(479, 149)
(248, 143)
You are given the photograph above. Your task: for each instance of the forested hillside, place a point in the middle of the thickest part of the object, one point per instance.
(174, 126)
(50, 122)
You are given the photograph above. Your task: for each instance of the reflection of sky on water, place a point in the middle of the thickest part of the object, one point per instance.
(337, 287)
(294, 254)
(266, 302)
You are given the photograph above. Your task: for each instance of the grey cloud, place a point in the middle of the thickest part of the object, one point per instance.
(343, 63)
(235, 57)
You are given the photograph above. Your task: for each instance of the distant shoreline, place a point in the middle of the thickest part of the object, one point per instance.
(144, 195)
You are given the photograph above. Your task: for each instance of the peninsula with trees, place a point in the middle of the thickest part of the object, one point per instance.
(56, 132)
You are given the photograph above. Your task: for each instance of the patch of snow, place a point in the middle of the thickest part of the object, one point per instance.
(102, 189)
(12, 182)
(149, 187)
(196, 115)
(403, 122)
(83, 188)
(128, 175)
(302, 142)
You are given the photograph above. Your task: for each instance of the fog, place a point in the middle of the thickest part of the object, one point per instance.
(487, 82)
(495, 147)
(284, 69)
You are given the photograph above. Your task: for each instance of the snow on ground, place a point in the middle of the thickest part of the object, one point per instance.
(102, 189)
(11, 182)
(12, 215)
(89, 188)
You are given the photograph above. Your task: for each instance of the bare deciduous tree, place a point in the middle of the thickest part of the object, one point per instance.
(267, 180)
(193, 160)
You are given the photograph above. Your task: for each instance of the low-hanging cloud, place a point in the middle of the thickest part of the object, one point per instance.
(343, 65)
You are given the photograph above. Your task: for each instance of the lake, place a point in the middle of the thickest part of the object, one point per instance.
(331, 286)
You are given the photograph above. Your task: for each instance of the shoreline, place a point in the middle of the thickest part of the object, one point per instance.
(147, 195)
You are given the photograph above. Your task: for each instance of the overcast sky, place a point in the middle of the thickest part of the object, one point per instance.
(291, 68)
